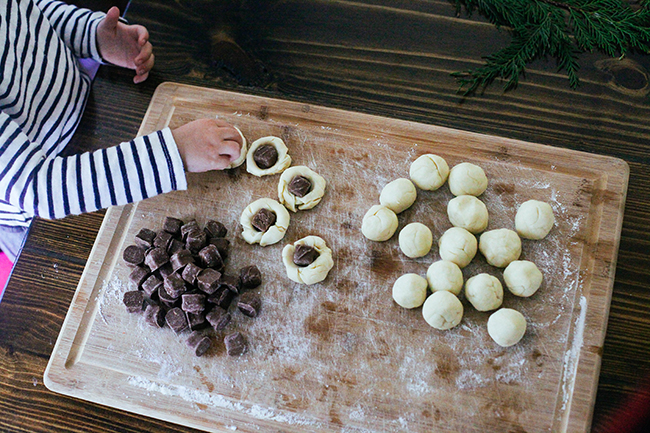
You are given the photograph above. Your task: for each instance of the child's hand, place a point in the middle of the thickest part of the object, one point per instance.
(207, 144)
(125, 45)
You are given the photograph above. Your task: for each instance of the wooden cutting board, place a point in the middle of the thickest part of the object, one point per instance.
(341, 355)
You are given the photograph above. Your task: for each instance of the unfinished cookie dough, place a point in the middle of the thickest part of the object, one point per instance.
(500, 247)
(457, 245)
(467, 179)
(379, 223)
(429, 172)
(314, 272)
(506, 327)
(442, 310)
(522, 278)
(300, 188)
(410, 290)
(266, 156)
(415, 240)
(444, 275)
(398, 195)
(484, 292)
(275, 231)
(468, 212)
(244, 148)
(534, 219)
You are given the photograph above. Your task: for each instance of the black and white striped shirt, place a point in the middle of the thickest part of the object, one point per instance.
(42, 96)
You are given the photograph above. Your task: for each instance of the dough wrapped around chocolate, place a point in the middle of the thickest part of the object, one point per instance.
(317, 270)
(265, 161)
(300, 188)
(274, 232)
(244, 150)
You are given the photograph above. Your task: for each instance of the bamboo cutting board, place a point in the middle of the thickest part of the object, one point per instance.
(341, 355)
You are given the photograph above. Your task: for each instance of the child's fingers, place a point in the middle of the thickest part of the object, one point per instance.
(230, 149)
(145, 55)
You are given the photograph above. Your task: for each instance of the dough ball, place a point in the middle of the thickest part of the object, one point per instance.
(467, 179)
(398, 195)
(522, 278)
(281, 161)
(429, 172)
(286, 192)
(442, 310)
(500, 247)
(318, 269)
(379, 223)
(468, 212)
(410, 290)
(457, 245)
(484, 292)
(274, 233)
(244, 149)
(415, 240)
(534, 219)
(506, 326)
(445, 276)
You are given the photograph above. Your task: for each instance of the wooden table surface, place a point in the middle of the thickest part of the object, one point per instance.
(386, 58)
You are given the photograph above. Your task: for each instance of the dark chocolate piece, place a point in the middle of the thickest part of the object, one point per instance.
(188, 227)
(250, 277)
(231, 282)
(166, 300)
(208, 280)
(222, 297)
(196, 321)
(155, 258)
(175, 246)
(151, 284)
(215, 229)
(134, 301)
(263, 219)
(249, 304)
(133, 255)
(304, 255)
(265, 156)
(139, 274)
(144, 238)
(172, 225)
(299, 186)
(165, 270)
(190, 273)
(218, 318)
(174, 285)
(155, 315)
(235, 344)
(210, 257)
(176, 320)
(195, 240)
(193, 302)
(162, 240)
(199, 343)
(180, 259)
(223, 245)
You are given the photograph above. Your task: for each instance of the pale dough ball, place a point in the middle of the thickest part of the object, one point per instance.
(506, 326)
(415, 240)
(274, 233)
(442, 310)
(429, 172)
(522, 278)
(467, 179)
(398, 195)
(284, 160)
(315, 272)
(457, 245)
(379, 223)
(410, 290)
(468, 212)
(484, 292)
(534, 219)
(242, 156)
(309, 200)
(500, 247)
(445, 276)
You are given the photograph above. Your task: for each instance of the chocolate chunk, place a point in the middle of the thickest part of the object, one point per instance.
(265, 156)
(162, 240)
(165, 270)
(155, 315)
(190, 273)
(222, 297)
(176, 320)
(180, 259)
(210, 257)
(199, 343)
(134, 301)
(155, 258)
(235, 344)
(196, 321)
(218, 318)
(250, 277)
(172, 226)
(195, 240)
(144, 238)
(133, 255)
(299, 186)
(174, 285)
(151, 284)
(249, 304)
(188, 227)
(304, 255)
(166, 300)
(231, 282)
(193, 302)
(215, 229)
(175, 246)
(208, 280)
(139, 274)
(263, 219)
(223, 245)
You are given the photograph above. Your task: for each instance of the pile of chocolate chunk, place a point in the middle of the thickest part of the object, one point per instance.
(181, 282)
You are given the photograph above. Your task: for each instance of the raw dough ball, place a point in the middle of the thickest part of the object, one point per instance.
(506, 326)
(467, 179)
(442, 310)
(283, 160)
(398, 195)
(457, 245)
(410, 290)
(242, 156)
(309, 200)
(468, 212)
(534, 219)
(522, 278)
(315, 272)
(415, 240)
(429, 172)
(500, 247)
(274, 233)
(484, 292)
(379, 223)
(445, 276)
